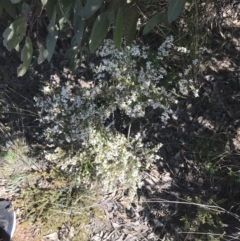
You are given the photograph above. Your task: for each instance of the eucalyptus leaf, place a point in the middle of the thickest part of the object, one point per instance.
(14, 34)
(131, 24)
(51, 26)
(51, 44)
(174, 9)
(63, 9)
(99, 31)
(43, 53)
(50, 7)
(118, 32)
(78, 24)
(90, 8)
(77, 9)
(153, 22)
(26, 57)
(6, 35)
(52, 36)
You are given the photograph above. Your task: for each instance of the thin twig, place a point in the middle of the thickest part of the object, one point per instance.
(129, 130)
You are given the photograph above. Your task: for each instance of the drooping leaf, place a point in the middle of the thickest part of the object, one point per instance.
(50, 6)
(51, 26)
(78, 24)
(51, 44)
(153, 22)
(14, 34)
(118, 32)
(77, 9)
(174, 9)
(131, 23)
(26, 57)
(90, 8)
(52, 36)
(99, 31)
(43, 53)
(10, 8)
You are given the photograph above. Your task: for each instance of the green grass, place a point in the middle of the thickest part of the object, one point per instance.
(7, 155)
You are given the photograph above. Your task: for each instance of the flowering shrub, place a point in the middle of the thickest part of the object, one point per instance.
(138, 79)
(100, 155)
(110, 159)
(128, 79)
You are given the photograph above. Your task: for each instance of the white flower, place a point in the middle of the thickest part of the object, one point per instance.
(195, 61)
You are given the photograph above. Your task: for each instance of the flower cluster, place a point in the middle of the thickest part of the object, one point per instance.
(139, 79)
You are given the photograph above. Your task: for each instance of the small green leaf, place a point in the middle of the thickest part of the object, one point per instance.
(99, 31)
(15, 1)
(43, 53)
(26, 57)
(14, 34)
(119, 28)
(153, 22)
(174, 9)
(90, 8)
